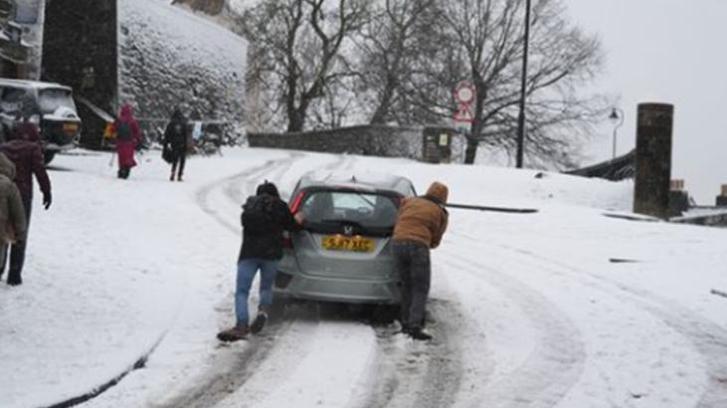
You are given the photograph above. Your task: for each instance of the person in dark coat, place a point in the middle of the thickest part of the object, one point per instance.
(25, 153)
(265, 216)
(12, 213)
(174, 143)
(419, 227)
(128, 137)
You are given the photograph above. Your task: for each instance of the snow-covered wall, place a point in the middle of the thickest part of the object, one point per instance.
(170, 57)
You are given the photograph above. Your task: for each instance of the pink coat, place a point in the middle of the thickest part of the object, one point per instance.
(125, 149)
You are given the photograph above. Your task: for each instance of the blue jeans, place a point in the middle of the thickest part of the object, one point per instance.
(246, 270)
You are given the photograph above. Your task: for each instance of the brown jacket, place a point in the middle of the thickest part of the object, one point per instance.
(12, 216)
(423, 219)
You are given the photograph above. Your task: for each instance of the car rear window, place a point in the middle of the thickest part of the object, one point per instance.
(369, 210)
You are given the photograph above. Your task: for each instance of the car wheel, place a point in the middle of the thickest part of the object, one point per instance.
(48, 156)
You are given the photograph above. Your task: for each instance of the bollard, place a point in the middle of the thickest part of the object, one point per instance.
(653, 159)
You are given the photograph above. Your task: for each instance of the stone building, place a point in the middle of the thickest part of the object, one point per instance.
(21, 23)
(149, 53)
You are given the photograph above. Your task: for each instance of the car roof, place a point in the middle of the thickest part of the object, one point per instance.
(366, 181)
(24, 83)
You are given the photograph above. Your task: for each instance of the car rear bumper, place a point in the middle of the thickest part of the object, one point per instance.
(305, 287)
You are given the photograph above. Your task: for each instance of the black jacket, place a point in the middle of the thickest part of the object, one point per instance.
(175, 135)
(268, 244)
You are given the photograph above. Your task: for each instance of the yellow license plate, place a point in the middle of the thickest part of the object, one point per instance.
(70, 127)
(344, 243)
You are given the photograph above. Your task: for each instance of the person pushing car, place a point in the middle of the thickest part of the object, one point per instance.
(420, 225)
(264, 218)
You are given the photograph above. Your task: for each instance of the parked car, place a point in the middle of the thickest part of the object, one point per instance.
(60, 125)
(343, 254)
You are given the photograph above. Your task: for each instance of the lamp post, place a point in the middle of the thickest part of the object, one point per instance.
(617, 118)
(523, 85)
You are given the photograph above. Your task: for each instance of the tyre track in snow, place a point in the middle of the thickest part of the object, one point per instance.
(202, 195)
(708, 338)
(408, 373)
(554, 365)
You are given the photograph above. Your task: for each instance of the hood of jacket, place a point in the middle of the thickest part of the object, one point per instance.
(438, 191)
(7, 168)
(126, 113)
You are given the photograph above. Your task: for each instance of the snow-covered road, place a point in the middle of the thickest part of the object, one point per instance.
(528, 310)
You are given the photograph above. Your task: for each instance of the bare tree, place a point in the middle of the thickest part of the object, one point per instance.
(388, 48)
(482, 41)
(562, 60)
(298, 45)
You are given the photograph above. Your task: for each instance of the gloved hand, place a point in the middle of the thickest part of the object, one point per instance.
(47, 200)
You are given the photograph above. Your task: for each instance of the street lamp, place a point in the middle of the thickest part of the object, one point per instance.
(617, 118)
(523, 84)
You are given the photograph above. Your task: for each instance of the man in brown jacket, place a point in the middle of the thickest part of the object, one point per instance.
(12, 214)
(419, 226)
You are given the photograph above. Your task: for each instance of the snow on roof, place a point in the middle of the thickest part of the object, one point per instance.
(33, 84)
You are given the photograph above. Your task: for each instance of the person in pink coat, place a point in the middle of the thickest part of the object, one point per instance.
(128, 136)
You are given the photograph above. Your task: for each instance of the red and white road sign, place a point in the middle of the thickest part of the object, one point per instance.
(464, 92)
(464, 113)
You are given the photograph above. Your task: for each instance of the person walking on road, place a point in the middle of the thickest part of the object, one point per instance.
(419, 227)
(264, 218)
(174, 143)
(128, 137)
(12, 213)
(25, 153)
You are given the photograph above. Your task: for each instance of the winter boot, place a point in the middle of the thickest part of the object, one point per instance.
(417, 333)
(259, 322)
(179, 177)
(234, 334)
(171, 177)
(14, 280)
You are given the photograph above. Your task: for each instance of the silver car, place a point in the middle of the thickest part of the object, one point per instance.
(343, 254)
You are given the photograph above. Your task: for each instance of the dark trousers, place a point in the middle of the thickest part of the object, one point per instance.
(180, 157)
(412, 261)
(17, 250)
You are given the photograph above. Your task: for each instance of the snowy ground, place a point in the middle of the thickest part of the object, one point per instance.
(563, 308)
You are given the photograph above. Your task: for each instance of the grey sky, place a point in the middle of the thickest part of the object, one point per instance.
(667, 51)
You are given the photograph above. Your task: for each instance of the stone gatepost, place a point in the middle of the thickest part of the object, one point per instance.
(653, 159)
(722, 198)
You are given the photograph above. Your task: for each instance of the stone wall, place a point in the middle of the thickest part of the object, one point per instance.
(370, 140)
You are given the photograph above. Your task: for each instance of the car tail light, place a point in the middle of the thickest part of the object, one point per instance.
(297, 201)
